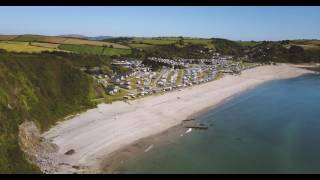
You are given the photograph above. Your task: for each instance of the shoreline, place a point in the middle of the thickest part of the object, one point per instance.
(113, 161)
(101, 137)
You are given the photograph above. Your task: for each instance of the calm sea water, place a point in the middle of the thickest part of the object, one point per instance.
(274, 128)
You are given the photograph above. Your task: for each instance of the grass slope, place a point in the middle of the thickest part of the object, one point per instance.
(46, 45)
(95, 50)
(168, 41)
(116, 52)
(27, 38)
(37, 87)
(7, 37)
(60, 40)
(52, 39)
(24, 48)
(141, 46)
(93, 43)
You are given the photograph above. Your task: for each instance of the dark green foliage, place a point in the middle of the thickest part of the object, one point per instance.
(277, 52)
(120, 70)
(154, 65)
(137, 53)
(284, 42)
(39, 87)
(248, 43)
(313, 55)
(181, 41)
(77, 60)
(124, 40)
(296, 50)
(228, 47)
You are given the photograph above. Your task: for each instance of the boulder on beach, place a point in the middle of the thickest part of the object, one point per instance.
(70, 152)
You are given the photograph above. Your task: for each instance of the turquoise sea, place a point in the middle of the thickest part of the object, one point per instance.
(274, 128)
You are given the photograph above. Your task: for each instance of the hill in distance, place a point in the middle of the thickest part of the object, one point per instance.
(74, 36)
(95, 38)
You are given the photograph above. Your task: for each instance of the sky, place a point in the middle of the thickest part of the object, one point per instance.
(235, 23)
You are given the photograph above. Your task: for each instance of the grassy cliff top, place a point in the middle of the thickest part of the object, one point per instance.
(42, 88)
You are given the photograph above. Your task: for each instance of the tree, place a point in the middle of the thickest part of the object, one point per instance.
(296, 49)
(181, 41)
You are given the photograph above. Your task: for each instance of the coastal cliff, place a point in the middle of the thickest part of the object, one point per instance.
(38, 90)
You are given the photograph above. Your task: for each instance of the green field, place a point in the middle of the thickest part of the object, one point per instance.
(116, 52)
(306, 44)
(205, 42)
(159, 41)
(142, 46)
(96, 50)
(170, 74)
(93, 43)
(27, 38)
(204, 74)
(180, 75)
(58, 40)
(248, 64)
(15, 42)
(47, 45)
(161, 46)
(116, 97)
(219, 76)
(154, 41)
(148, 42)
(7, 37)
(82, 49)
(310, 47)
(24, 48)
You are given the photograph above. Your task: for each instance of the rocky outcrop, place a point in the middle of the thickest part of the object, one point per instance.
(38, 150)
(43, 153)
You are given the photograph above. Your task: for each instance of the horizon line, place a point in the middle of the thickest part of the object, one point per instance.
(198, 37)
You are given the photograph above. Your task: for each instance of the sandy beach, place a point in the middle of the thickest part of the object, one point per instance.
(99, 132)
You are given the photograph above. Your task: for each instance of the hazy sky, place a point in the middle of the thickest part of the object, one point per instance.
(237, 23)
